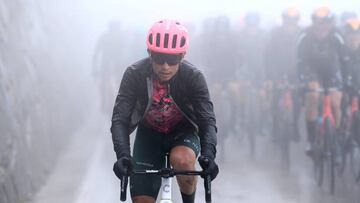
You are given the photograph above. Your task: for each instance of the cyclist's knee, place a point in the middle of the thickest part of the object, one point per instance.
(336, 99)
(313, 85)
(143, 199)
(311, 106)
(182, 158)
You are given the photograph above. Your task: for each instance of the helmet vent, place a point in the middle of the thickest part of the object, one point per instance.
(174, 41)
(182, 42)
(151, 39)
(158, 39)
(166, 40)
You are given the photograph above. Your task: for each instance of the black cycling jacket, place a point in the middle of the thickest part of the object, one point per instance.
(187, 88)
(352, 68)
(320, 58)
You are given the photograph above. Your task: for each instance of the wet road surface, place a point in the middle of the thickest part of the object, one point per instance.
(84, 174)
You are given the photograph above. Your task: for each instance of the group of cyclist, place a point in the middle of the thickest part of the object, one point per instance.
(168, 100)
(322, 55)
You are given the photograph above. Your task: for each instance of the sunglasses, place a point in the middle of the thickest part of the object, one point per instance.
(170, 59)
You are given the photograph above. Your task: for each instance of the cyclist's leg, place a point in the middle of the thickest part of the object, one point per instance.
(241, 104)
(264, 102)
(233, 89)
(147, 154)
(184, 150)
(298, 98)
(275, 112)
(336, 98)
(311, 111)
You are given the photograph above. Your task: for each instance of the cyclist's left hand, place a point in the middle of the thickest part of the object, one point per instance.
(209, 167)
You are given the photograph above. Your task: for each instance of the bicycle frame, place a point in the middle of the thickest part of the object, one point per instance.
(352, 137)
(354, 106)
(166, 183)
(166, 190)
(283, 132)
(327, 137)
(327, 109)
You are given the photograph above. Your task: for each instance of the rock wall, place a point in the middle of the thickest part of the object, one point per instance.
(41, 97)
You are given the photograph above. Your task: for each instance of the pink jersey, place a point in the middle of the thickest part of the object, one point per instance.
(163, 114)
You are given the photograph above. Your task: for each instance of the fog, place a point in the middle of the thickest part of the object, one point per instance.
(60, 69)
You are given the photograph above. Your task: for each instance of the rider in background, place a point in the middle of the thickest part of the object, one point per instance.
(352, 48)
(251, 47)
(280, 61)
(321, 60)
(220, 61)
(345, 16)
(166, 98)
(107, 63)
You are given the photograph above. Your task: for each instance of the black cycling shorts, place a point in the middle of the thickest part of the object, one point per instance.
(149, 152)
(328, 79)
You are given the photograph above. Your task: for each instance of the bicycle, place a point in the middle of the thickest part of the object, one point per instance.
(284, 125)
(325, 143)
(166, 174)
(351, 129)
(252, 118)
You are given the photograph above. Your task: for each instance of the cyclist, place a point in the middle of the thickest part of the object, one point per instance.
(251, 48)
(345, 16)
(352, 48)
(167, 99)
(321, 60)
(219, 31)
(281, 64)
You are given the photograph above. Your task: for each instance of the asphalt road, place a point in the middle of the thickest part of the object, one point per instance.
(84, 174)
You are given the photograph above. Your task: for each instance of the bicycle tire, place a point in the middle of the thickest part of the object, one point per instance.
(252, 145)
(318, 156)
(345, 145)
(285, 140)
(355, 147)
(331, 153)
(354, 156)
(252, 123)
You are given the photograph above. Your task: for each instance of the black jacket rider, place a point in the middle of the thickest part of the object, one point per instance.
(321, 60)
(189, 91)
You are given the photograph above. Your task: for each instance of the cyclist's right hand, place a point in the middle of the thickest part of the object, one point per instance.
(123, 166)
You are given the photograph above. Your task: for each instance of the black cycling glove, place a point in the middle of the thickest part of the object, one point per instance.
(123, 166)
(207, 162)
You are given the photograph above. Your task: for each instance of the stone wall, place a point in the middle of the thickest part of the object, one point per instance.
(41, 103)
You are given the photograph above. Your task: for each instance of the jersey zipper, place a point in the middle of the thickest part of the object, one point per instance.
(150, 91)
(191, 121)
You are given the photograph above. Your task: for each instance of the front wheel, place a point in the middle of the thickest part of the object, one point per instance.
(318, 156)
(285, 140)
(355, 160)
(330, 153)
(355, 148)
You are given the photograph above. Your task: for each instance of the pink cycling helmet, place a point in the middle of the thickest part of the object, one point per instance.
(168, 37)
